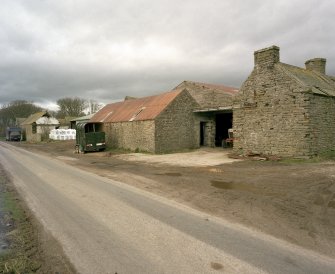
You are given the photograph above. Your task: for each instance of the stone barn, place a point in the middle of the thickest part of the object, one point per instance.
(214, 113)
(158, 124)
(38, 126)
(283, 109)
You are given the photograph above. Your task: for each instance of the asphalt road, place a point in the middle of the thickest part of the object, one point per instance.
(105, 226)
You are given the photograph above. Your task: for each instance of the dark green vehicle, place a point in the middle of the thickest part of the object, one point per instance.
(89, 137)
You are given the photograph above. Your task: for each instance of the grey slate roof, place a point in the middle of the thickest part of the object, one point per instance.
(314, 82)
(209, 96)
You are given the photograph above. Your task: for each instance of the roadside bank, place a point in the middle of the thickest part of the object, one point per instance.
(24, 246)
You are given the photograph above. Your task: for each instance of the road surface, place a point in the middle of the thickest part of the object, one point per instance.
(105, 226)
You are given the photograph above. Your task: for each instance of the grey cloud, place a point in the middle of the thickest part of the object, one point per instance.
(105, 50)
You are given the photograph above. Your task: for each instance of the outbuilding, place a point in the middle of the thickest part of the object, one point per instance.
(214, 113)
(285, 110)
(158, 124)
(38, 126)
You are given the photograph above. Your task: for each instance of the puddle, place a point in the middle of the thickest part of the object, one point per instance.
(243, 187)
(66, 158)
(216, 266)
(331, 204)
(100, 164)
(173, 174)
(3, 244)
(230, 185)
(216, 170)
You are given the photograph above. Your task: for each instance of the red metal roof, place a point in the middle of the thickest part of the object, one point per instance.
(146, 108)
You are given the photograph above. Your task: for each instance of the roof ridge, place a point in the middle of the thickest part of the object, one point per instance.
(210, 84)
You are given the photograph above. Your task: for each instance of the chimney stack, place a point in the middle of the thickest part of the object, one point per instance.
(266, 57)
(316, 64)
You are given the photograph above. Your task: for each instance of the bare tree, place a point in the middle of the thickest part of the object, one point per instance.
(16, 109)
(72, 107)
(93, 106)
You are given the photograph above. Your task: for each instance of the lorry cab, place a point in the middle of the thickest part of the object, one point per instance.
(13, 134)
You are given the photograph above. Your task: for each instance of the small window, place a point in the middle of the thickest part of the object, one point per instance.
(34, 128)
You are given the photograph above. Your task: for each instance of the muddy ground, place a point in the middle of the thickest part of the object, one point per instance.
(290, 200)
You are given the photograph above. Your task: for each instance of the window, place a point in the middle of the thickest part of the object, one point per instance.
(34, 128)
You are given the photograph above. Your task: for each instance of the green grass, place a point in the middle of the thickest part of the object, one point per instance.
(19, 257)
(10, 205)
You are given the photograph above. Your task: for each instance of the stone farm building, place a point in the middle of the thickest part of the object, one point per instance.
(214, 113)
(160, 123)
(283, 109)
(38, 126)
(191, 115)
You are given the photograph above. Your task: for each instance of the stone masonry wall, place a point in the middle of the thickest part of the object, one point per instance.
(131, 135)
(270, 115)
(322, 113)
(30, 136)
(207, 97)
(209, 129)
(175, 126)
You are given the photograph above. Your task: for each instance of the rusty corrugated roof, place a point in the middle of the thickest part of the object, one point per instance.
(146, 108)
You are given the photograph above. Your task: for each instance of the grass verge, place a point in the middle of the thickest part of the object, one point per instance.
(19, 248)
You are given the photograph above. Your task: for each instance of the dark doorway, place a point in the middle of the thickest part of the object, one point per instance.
(223, 123)
(202, 133)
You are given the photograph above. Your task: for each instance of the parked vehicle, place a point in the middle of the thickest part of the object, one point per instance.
(89, 137)
(13, 134)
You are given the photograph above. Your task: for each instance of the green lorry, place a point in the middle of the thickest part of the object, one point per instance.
(89, 137)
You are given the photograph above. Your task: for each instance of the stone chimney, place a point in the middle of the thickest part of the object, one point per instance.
(316, 64)
(266, 57)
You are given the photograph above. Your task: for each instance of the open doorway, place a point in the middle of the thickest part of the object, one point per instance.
(202, 133)
(223, 122)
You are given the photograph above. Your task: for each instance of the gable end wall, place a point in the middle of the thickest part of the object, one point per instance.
(271, 115)
(322, 133)
(175, 126)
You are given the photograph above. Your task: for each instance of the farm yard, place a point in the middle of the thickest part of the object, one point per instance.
(292, 200)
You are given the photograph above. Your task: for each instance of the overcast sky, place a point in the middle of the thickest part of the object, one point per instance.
(107, 49)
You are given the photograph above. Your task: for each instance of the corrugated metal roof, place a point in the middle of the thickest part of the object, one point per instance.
(34, 117)
(146, 108)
